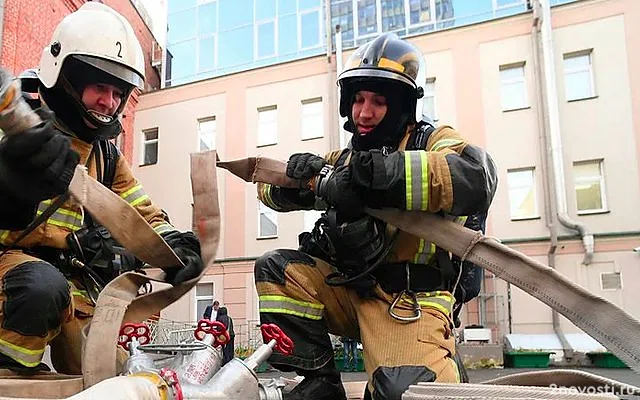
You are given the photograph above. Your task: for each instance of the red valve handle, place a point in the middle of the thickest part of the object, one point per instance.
(128, 331)
(273, 332)
(171, 377)
(215, 328)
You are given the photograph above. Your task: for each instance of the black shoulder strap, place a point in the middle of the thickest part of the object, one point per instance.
(420, 136)
(110, 157)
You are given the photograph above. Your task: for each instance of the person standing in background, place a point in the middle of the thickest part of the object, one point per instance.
(228, 350)
(211, 312)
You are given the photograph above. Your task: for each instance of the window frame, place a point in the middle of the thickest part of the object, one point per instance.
(432, 80)
(204, 120)
(307, 102)
(256, 38)
(611, 289)
(523, 80)
(145, 142)
(510, 187)
(260, 111)
(603, 194)
(197, 298)
(573, 55)
(320, 27)
(263, 209)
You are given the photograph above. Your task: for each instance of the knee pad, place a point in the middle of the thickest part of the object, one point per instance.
(390, 382)
(36, 296)
(270, 266)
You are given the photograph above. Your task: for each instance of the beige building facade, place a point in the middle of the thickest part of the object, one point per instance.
(482, 79)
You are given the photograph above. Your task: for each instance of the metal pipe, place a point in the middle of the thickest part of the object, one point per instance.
(549, 189)
(333, 118)
(553, 129)
(341, 132)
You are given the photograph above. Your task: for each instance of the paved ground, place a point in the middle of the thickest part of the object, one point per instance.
(481, 375)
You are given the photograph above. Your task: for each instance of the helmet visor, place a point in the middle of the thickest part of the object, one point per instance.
(114, 69)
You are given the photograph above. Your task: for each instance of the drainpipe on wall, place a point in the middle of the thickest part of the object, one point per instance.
(550, 189)
(331, 79)
(341, 133)
(553, 133)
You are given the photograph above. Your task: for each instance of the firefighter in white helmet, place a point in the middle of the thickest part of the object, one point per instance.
(86, 75)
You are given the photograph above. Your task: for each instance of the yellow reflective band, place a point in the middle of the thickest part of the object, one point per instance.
(130, 191)
(266, 197)
(442, 143)
(390, 64)
(416, 171)
(3, 236)
(285, 305)
(163, 228)
(26, 357)
(407, 178)
(139, 200)
(62, 217)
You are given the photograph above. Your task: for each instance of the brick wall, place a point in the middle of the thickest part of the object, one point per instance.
(27, 29)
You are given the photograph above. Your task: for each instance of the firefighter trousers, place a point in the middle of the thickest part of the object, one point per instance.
(38, 306)
(293, 294)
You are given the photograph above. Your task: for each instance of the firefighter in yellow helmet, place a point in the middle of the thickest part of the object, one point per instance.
(86, 75)
(353, 275)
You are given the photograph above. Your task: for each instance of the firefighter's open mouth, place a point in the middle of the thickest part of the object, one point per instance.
(104, 118)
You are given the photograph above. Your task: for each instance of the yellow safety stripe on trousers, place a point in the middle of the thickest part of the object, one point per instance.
(63, 217)
(286, 305)
(135, 195)
(442, 143)
(439, 300)
(265, 197)
(163, 228)
(26, 357)
(416, 173)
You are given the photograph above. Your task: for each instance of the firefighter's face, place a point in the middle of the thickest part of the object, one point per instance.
(368, 110)
(102, 97)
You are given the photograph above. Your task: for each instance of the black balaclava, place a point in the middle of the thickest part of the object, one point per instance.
(389, 132)
(65, 100)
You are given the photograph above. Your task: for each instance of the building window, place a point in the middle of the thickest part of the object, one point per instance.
(420, 11)
(367, 17)
(393, 17)
(267, 125)
(207, 133)
(267, 222)
(312, 119)
(522, 194)
(610, 281)
(204, 297)
(310, 29)
(513, 88)
(589, 184)
(430, 99)
(578, 76)
(149, 146)
(310, 218)
(265, 39)
(499, 4)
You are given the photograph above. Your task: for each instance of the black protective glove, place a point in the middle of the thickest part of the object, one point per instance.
(338, 190)
(37, 164)
(187, 247)
(304, 165)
